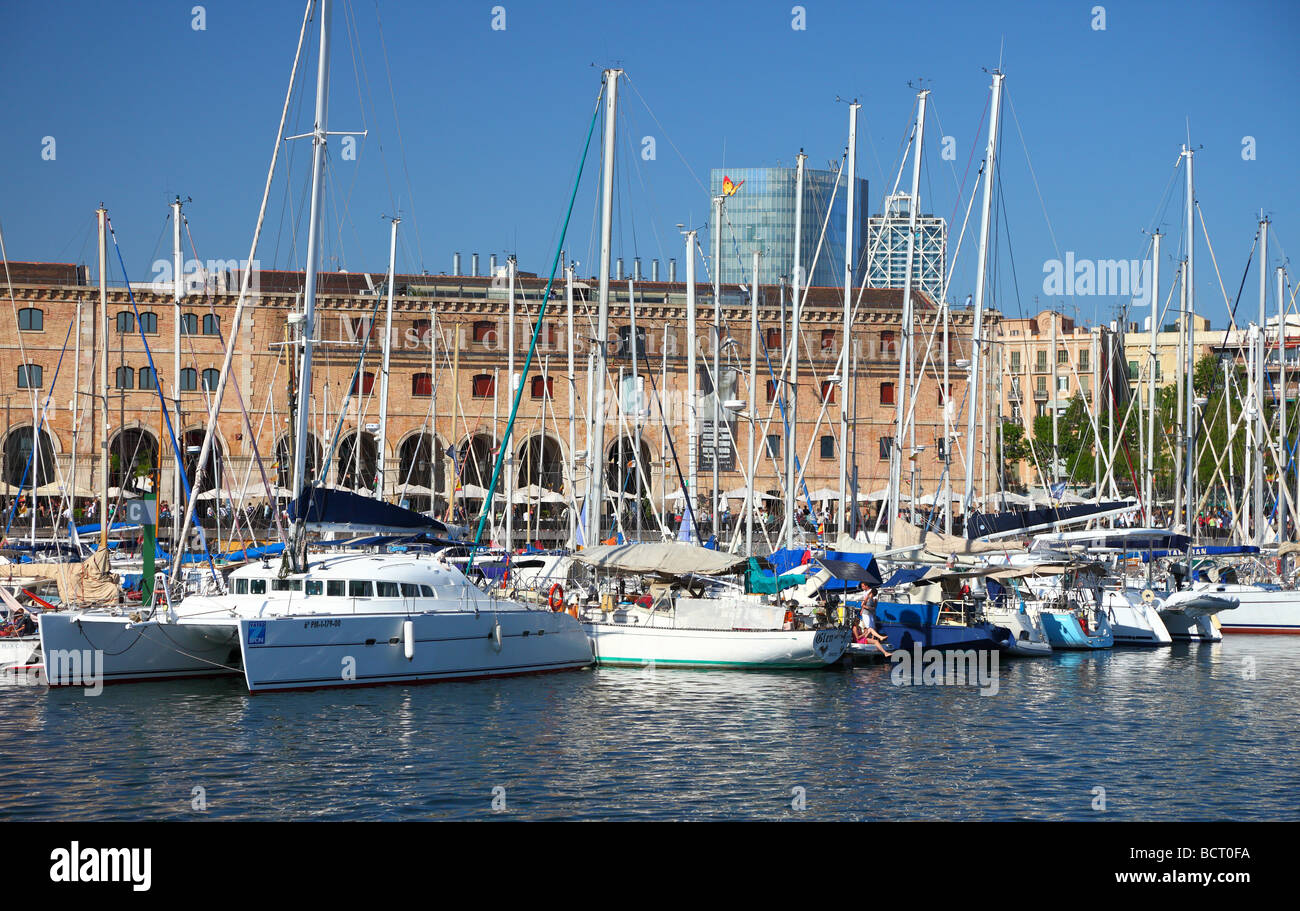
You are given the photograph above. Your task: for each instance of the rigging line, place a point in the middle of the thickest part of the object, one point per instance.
(537, 327)
(239, 395)
(627, 78)
(38, 434)
(157, 388)
(1034, 177)
(401, 144)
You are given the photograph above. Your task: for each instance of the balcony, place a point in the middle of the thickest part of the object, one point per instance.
(1040, 395)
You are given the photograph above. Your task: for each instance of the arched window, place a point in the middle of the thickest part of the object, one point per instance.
(543, 387)
(367, 383)
(30, 376)
(189, 379)
(485, 386)
(189, 324)
(211, 325)
(146, 378)
(125, 378)
(149, 323)
(125, 322)
(31, 320)
(422, 385)
(211, 377)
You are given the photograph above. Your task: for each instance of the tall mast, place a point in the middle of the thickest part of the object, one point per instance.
(508, 462)
(1179, 395)
(714, 507)
(1056, 439)
(381, 445)
(692, 384)
(793, 386)
(753, 408)
(896, 452)
(947, 428)
(596, 484)
(1281, 410)
(1189, 283)
(573, 407)
(990, 158)
(178, 292)
(847, 333)
(1153, 365)
(301, 438)
(1259, 423)
(102, 215)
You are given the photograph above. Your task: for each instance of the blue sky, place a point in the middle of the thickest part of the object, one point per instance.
(142, 106)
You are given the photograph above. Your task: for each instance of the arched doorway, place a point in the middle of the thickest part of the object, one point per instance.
(541, 462)
(626, 483)
(17, 454)
(284, 461)
(132, 454)
(421, 462)
(192, 442)
(358, 461)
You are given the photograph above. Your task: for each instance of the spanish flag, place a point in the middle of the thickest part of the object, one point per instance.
(729, 188)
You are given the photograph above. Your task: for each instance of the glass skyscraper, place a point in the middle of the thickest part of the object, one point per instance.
(760, 216)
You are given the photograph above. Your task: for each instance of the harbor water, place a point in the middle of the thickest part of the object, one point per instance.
(1192, 732)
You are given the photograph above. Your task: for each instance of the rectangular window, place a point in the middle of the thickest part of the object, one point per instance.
(426, 591)
(886, 445)
(774, 445)
(388, 589)
(29, 376)
(485, 386)
(1062, 384)
(1041, 384)
(241, 586)
(410, 590)
(335, 588)
(422, 385)
(1015, 361)
(1083, 359)
(315, 586)
(827, 444)
(1062, 356)
(1042, 360)
(828, 341)
(286, 585)
(257, 586)
(887, 393)
(360, 589)
(887, 344)
(774, 339)
(828, 392)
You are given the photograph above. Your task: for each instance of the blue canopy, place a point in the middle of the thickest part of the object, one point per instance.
(850, 570)
(907, 576)
(93, 527)
(1203, 550)
(322, 506)
(786, 559)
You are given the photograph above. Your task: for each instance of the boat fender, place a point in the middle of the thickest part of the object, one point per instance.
(555, 597)
(496, 635)
(408, 639)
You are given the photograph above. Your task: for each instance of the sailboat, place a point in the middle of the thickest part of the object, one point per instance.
(346, 619)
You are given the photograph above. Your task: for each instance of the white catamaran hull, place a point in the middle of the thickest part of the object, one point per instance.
(17, 655)
(640, 646)
(310, 652)
(115, 649)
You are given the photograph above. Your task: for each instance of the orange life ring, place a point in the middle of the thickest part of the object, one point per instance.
(555, 597)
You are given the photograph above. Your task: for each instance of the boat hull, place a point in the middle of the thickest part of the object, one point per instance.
(1259, 610)
(905, 625)
(1064, 632)
(120, 650)
(626, 645)
(285, 653)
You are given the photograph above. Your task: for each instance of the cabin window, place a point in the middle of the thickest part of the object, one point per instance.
(336, 588)
(241, 586)
(286, 585)
(426, 591)
(315, 586)
(389, 589)
(410, 590)
(31, 320)
(360, 589)
(257, 586)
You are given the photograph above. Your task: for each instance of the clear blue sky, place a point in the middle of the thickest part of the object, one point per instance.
(143, 107)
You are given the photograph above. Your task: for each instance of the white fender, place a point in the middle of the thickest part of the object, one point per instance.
(496, 635)
(408, 638)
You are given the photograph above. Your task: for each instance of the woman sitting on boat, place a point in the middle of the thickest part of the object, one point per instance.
(20, 624)
(864, 631)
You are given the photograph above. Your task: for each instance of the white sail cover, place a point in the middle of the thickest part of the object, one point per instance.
(668, 558)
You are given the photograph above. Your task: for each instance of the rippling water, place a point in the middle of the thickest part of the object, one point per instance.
(1174, 733)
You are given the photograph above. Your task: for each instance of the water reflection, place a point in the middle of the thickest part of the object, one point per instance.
(1170, 733)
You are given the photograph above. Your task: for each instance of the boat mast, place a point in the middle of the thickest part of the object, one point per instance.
(904, 362)
(508, 462)
(715, 506)
(1258, 422)
(947, 428)
(793, 384)
(692, 386)
(753, 408)
(298, 537)
(382, 443)
(596, 483)
(102, 215)
(573, 409)
(1153, 366)
(990, 158)
(178, 292)
(849, 215)
(1281, 430)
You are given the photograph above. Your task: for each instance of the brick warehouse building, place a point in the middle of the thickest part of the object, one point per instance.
(447, 389)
